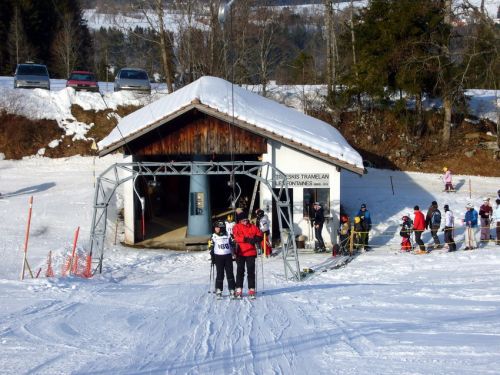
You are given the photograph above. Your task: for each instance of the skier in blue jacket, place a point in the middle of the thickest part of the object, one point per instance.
(471, 229)
(364, 215)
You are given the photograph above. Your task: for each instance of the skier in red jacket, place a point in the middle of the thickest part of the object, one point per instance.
(419, 227)
(246, 235)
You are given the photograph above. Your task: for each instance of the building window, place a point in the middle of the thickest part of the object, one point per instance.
(321, 195)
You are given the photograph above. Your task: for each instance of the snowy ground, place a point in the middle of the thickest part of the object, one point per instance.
(149, 311)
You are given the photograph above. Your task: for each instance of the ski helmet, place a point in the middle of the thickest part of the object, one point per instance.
(259, 213)
(357, 219)
(219, 224)
(405, 218)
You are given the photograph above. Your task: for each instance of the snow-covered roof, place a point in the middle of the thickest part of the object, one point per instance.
(231, 102)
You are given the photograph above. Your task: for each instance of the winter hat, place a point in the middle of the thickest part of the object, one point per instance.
(316, 204)
(497, 201)
(446, 207)
(416, 208)
(434, 203)
(469, 205)
(241, 216)
(445, 169)
(486, 199)
(357, 219)
(363, 205)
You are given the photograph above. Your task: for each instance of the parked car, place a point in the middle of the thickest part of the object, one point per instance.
(29, 76)
(132, 79)
(82, 80)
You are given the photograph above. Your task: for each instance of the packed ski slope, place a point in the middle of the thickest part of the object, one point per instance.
(150, 312)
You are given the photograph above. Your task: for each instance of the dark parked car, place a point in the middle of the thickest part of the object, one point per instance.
(132, 79)
(82, 80)
(29, 76)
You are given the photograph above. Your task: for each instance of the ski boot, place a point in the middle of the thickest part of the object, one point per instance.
(251, 293)
(238, 293)
(231, 294)
(218, 294)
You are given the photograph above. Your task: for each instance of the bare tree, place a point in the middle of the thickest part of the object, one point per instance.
(66, 45)
(154, 14)
(331, 66)
(267, 25)
(17, 41)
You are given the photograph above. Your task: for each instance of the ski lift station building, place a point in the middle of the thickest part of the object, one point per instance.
(212, 120)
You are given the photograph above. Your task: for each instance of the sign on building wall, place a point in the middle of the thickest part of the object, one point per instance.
(318, 180)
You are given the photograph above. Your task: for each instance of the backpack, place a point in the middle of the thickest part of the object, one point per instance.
(436, 217)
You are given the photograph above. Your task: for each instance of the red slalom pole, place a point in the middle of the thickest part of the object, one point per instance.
(25, 259)
(74, 261)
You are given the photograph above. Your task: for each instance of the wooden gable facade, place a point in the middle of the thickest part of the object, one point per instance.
(197, 133)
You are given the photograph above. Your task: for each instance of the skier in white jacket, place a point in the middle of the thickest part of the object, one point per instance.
(449, 224)
(496, 220)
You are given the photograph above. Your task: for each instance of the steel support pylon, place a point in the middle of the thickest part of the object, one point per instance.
(266, 173)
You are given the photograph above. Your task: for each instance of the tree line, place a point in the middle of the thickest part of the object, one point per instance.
(364, 55)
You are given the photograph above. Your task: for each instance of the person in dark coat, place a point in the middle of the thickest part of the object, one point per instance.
(247, 236)
(365, 217)
(318, 221)
(433, 222)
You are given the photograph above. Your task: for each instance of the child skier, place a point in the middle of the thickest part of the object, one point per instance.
(221, 252)
(361, 232)
(448, 185)
(405, 233)
(344, 232)
(262, 223)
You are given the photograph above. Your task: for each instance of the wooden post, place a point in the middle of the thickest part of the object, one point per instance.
(25, 258)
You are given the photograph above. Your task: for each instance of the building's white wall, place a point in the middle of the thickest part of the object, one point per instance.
(291, 161)
(128, 205)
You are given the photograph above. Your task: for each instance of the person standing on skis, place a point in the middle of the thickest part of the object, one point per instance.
(221, 252)
(433, 222)
(365, 217)
(470, 222)
(405, 233)
(319, 220)
(262, 223)
(449, 224)
(447, 179)
(485, 213)
(496, 219)
(419, 227)
(247, 236)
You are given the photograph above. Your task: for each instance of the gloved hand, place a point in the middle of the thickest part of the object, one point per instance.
(248, 240)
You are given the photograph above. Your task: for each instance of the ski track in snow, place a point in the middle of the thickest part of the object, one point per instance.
(150, 312)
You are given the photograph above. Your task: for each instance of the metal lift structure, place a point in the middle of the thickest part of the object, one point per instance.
(269, 176)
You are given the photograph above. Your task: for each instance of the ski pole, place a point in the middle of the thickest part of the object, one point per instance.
(25, 258)
(211, 277)
(262, 266)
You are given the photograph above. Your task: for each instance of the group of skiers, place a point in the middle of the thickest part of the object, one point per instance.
(473, 221)
(239, 241)
(362, 226)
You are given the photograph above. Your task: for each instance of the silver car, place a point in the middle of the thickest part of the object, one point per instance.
(29, 76)
(132, 79)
